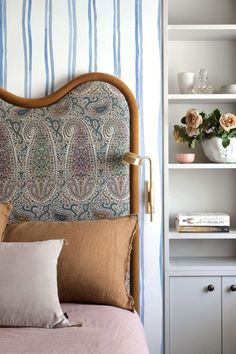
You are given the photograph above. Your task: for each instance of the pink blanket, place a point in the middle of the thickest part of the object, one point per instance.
(105, 330)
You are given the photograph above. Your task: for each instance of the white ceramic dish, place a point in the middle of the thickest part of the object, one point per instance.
(229, 88)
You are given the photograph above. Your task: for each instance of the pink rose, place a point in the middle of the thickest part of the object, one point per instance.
(228, 121)
(193, 118)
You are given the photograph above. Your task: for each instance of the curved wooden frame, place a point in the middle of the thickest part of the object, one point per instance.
(134, 189)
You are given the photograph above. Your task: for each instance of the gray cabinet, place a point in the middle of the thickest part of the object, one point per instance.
(229, 314)
(202, 316)
(195, 315)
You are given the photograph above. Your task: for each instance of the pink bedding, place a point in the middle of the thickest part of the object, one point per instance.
(105, 330)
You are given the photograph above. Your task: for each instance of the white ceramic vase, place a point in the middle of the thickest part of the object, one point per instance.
(215, 152)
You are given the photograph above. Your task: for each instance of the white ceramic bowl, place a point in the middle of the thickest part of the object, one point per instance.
(229, 88)
(185, 158)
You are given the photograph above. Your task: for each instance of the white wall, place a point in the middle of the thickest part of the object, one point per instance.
(45, 43)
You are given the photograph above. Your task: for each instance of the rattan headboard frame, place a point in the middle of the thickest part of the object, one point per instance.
(134, 190)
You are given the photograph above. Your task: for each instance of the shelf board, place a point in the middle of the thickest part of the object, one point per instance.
(202, 32)
(201, 166)
(173, 235)
(213, 98)
(201, 262)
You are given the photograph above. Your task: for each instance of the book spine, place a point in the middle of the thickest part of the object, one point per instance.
(203, 221)
(196, 229)
(200, 216)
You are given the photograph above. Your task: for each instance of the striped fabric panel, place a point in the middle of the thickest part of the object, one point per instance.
(27, 45)
(92, 19)
(72, 39)
(48, 49)
(116, 38)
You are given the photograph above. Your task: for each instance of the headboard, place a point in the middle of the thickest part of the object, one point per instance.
(61, 155)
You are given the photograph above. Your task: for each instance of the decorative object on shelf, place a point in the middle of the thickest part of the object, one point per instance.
(185, 158)
(202, 222)
(229, 89)
(202, 219)
(134, 159)
(216, 131)
(202, 229)
(215, 152)
(186, 82)
(201, 85)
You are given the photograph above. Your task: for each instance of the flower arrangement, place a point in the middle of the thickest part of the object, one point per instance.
(199, 126)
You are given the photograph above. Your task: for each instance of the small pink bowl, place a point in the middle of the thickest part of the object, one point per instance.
(185, 158)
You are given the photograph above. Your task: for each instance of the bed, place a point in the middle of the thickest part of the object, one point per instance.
(105, 330)
(61, 161)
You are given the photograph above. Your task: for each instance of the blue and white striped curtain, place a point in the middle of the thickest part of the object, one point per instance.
(45, 43)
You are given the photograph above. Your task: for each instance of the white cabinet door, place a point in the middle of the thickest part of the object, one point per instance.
(229, 314)
(195, 315)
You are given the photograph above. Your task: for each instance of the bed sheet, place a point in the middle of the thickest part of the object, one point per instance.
(105, 330)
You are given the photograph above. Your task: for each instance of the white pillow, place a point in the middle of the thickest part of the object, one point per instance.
(28, 284)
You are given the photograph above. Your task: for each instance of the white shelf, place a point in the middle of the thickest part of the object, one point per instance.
(213, 98)
(203, 262)
(202, 32)
(173, 235)
(201, 166)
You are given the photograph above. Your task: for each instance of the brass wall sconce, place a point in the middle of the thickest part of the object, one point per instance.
(134, 159)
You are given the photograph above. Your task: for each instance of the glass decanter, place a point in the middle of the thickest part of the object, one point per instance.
(201, 85)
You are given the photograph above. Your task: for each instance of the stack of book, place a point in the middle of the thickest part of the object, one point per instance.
(202, 222)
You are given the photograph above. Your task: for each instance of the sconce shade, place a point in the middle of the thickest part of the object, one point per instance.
(134, 159)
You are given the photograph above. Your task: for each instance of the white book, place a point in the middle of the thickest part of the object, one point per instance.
(202, 219)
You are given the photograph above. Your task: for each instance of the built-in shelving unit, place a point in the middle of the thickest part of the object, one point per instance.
(200, 263)
(173, 235)
(204, 99)
(202, 32)
(201, 166)
(198, 34)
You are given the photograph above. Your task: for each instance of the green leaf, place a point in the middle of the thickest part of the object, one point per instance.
(224, 135)
(205, 123)
(199, 137)
(183, 120)
(221, 131)
(203, 114)
(225, 142)
(192, 144)
(177, 128)
(232, 133)
(217, 113)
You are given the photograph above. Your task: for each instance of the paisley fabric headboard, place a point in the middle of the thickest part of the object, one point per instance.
(61, 155)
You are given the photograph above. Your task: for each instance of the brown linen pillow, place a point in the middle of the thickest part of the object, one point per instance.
(93, 267)
(5, 209)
